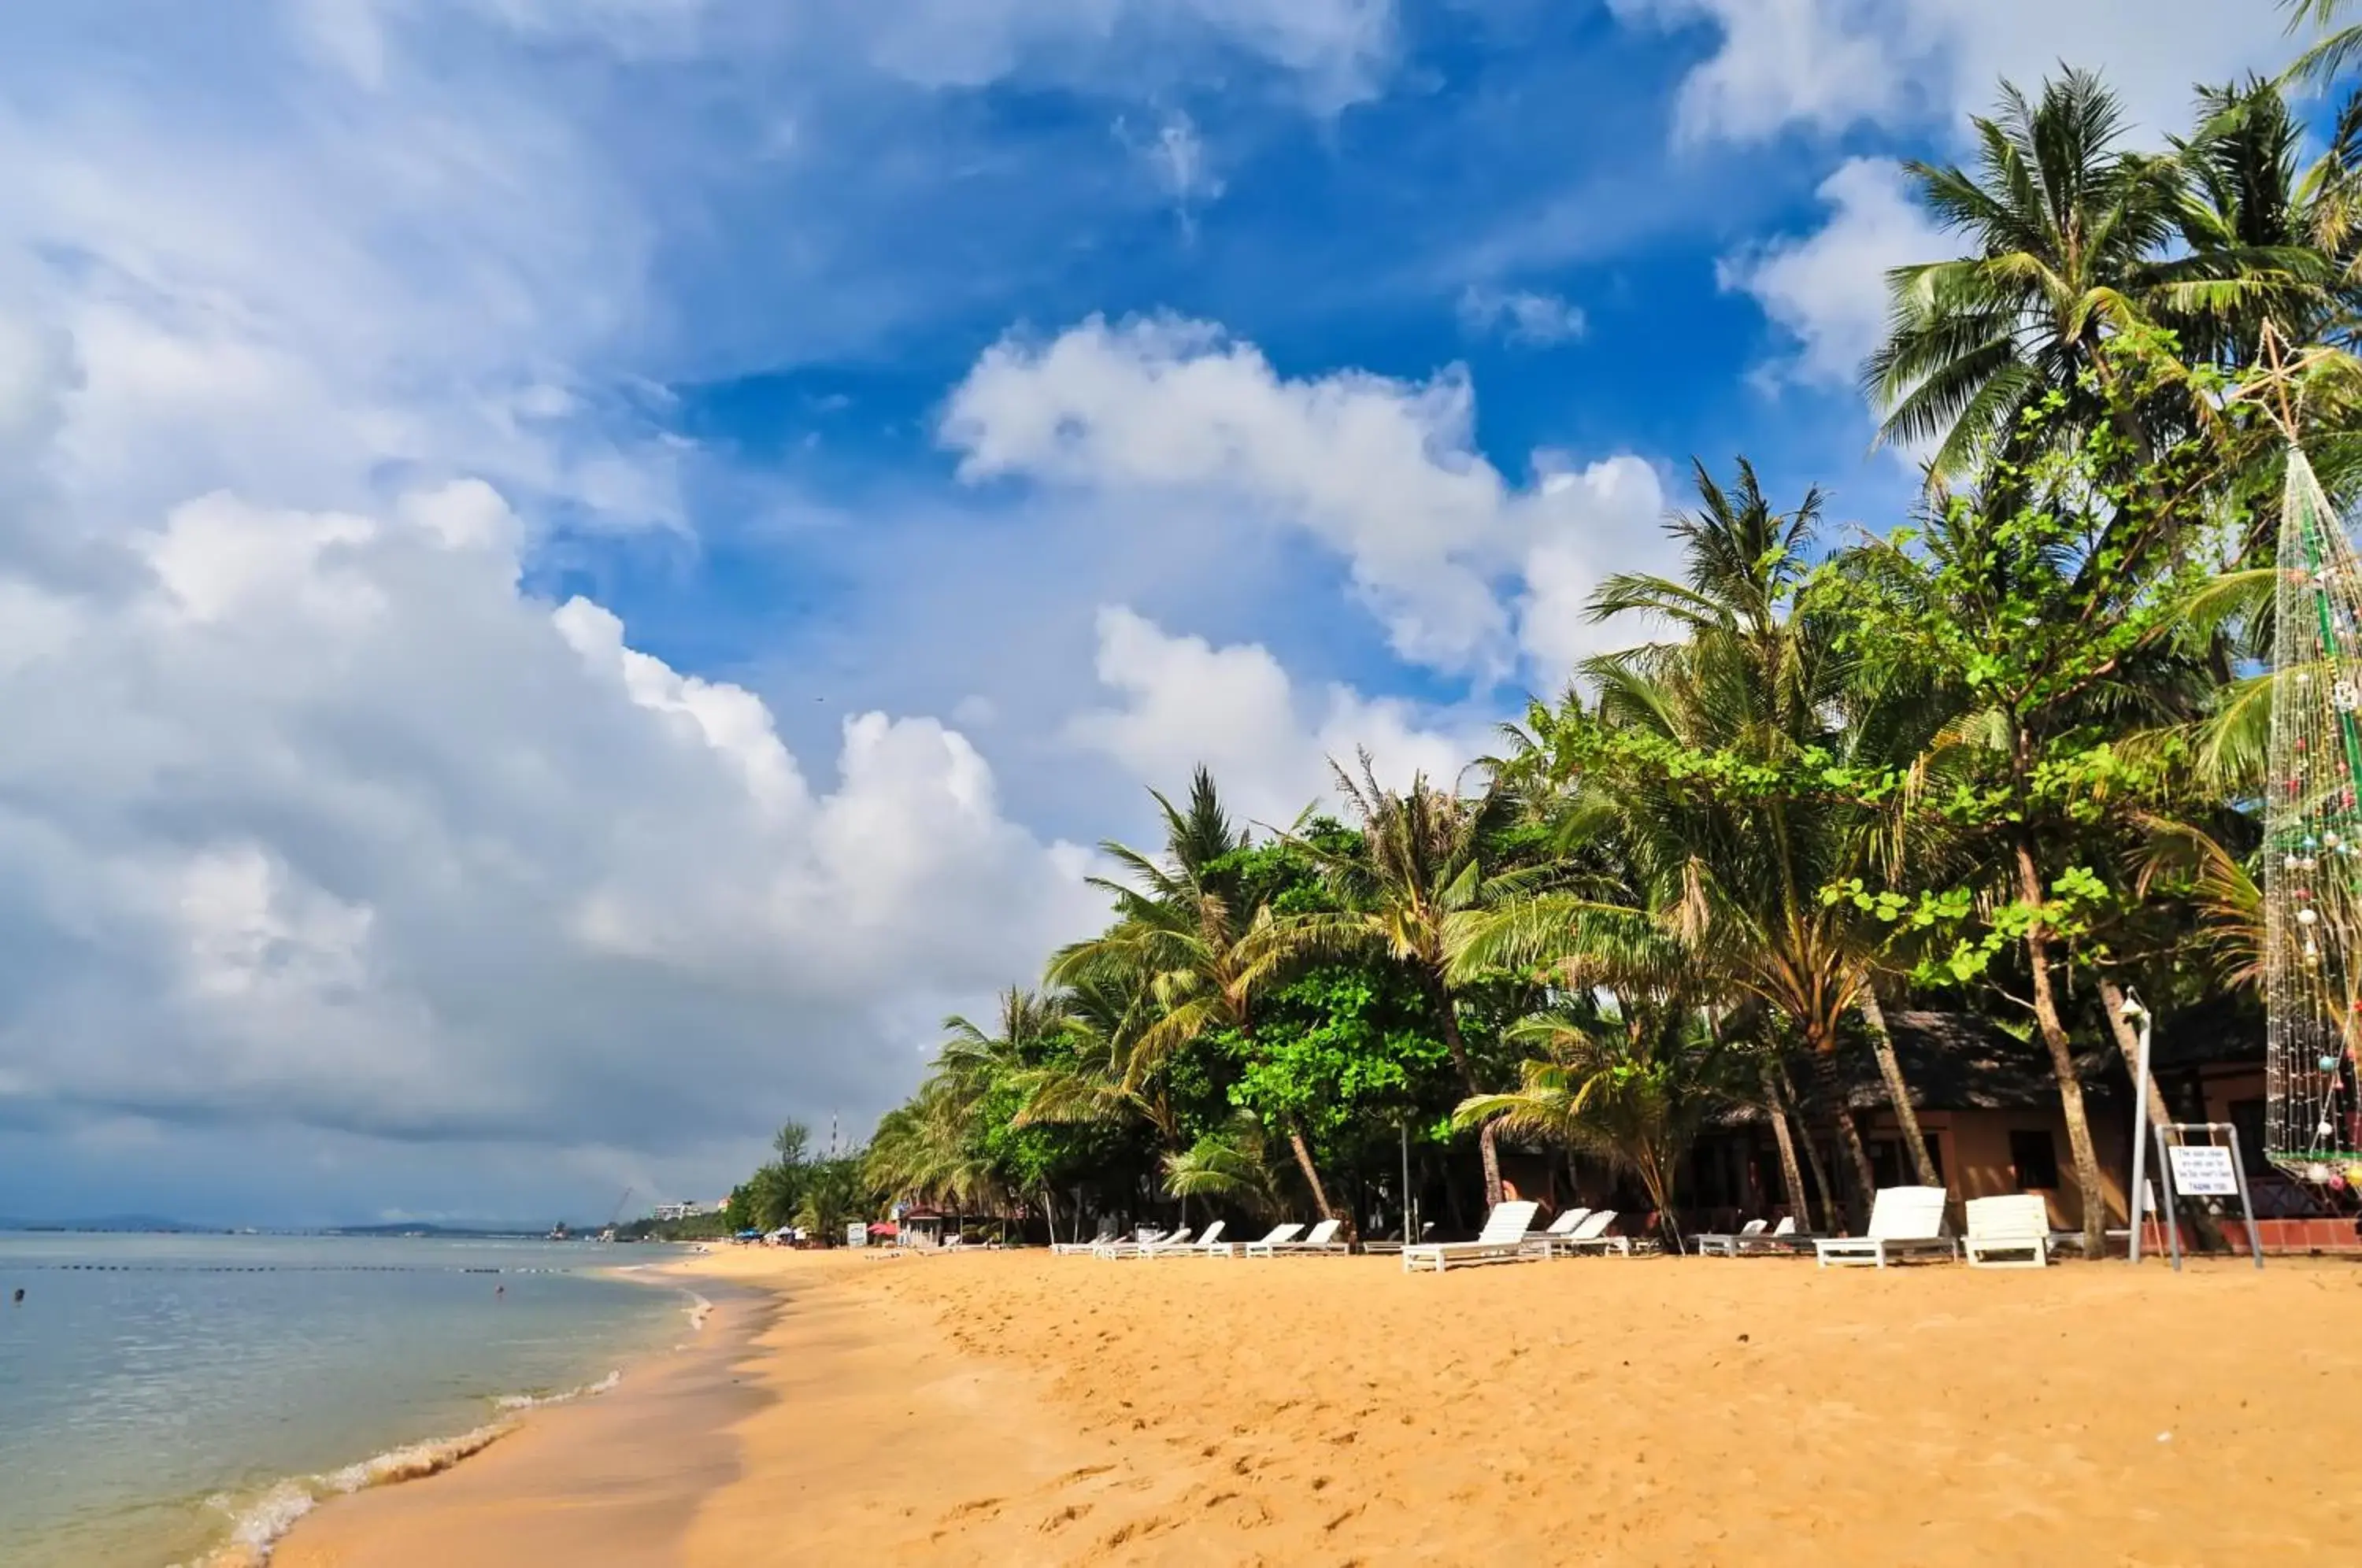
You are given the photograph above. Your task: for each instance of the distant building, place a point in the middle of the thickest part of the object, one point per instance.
(685, 1210)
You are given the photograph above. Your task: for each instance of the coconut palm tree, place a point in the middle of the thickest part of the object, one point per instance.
(1736, 839)
(1180, 938)
(2067, 235)
(1633, 1086)
(1232, 1163)
(1419, 860)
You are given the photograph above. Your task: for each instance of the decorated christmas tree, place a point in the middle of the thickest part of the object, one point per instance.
(2313, 857)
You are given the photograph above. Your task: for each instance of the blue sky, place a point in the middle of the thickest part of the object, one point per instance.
(576, 572)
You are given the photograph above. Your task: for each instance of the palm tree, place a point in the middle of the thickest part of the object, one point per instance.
(2327, 58)
(2044, 619)
(1759, 680)
(1634, 1088)
(1232, 1164)
(1418, 863)
(930, 1150)
(2066, 234)
(1181, 939)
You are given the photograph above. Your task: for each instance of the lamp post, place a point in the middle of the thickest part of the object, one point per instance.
(2134, 1011)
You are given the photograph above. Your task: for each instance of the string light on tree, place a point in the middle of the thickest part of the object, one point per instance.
(2312, 872)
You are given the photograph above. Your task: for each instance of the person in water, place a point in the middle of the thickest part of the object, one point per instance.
(20, 1298)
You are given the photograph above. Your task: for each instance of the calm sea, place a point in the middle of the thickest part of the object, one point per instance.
(181, 1399)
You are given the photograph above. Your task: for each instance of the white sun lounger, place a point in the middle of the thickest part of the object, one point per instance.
(1133, 1249)
(2018, 1223)
(1321, 1238)
(1560, 1228)
(1905, 1221)
(1592, 1232)
(1503, 1239)
(1727, 1241)
(1395, 1244)
(1278, 1235)
(1181, 1245)
(1752, 1240)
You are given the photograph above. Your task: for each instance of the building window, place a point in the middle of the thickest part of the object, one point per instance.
(2037, 1160)
(1886, 1162)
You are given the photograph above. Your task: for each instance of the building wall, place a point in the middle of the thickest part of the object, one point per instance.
(1973, 1152)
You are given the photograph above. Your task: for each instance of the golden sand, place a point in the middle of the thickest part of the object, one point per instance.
(1020, 1409)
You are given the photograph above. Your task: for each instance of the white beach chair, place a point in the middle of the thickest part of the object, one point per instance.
(1503, 1239)
(1278, 1235)
(1321, 1238)
(1726, 1243)
(1078, 1249)
(1560, 1228)
(1396, 1243)
(1152, 1239)
(1905, 1221)
(1210, 1244)
(2008, 1226)
(1782, 1239)
(1591, 1233)
(1182, 1245)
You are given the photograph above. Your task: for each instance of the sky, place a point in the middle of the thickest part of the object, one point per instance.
(575, 574)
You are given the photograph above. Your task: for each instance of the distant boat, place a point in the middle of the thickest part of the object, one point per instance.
(558, 1232)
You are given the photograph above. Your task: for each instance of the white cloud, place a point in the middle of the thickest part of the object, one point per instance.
(315, 820)
(1337, 47)
(1382, 472)
(1522, 315)
(1827, 290)
(1182, 701)
(1830, 64)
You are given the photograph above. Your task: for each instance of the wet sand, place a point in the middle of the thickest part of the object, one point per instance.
(616, 1478)
(1020, 1408)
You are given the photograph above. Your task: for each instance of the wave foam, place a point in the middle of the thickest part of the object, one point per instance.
(257, 1521)
(536, 1401)
(699, 1309)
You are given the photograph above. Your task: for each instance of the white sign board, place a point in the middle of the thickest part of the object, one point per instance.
(2204, 1170)
(857, 1235)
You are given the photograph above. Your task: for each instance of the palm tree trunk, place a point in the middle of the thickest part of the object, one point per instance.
(1832, 1205)
(2111, 998)
(1798, 1203)
(1890, 1067)
(1832, 1090)
(1487, 1136)
(1312, 1179)
(2062, 1060)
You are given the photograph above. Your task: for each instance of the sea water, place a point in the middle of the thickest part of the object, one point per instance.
(181, 1399)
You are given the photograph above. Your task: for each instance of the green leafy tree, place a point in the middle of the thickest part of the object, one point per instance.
(1418, 860)
(2046, 608)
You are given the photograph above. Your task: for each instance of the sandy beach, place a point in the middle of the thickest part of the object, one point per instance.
(1020, 1409)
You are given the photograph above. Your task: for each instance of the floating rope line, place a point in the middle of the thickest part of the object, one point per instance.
(2312, 842)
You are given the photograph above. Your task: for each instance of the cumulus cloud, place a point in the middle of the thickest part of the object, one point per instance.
(1337, 47)
(1182, 701)
(1827, 65)
(316, 819)
(1523, 316)
(1827, 290)
(1384, 472)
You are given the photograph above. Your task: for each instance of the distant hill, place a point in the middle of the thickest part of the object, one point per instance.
(501, 1233)
(111, 1222)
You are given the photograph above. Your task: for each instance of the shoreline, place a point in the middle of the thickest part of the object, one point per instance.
(1025, 1409)
(537, 1441)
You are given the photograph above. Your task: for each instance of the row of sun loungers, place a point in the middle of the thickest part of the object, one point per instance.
(1281, 1240)
(1905, 1223)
